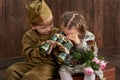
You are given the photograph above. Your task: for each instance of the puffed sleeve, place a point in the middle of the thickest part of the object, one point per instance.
(89, 36)
(88, 43)
(90, 39)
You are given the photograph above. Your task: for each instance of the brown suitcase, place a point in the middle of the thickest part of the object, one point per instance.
(109, 74)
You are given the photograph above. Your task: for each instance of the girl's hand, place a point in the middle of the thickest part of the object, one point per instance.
(74, 38)
(74, 62)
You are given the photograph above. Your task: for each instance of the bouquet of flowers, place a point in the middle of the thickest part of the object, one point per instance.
(93, 64)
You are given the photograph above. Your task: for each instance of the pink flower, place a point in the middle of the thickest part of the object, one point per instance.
(88, 70)
(102, 65)
(96, 60)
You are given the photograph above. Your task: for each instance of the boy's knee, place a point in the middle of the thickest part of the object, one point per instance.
(33, 75)
(9, 71)
(13, 72)
(30, 76)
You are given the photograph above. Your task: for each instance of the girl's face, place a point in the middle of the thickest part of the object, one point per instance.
(72, 34)
(46, 27)
(73, 31)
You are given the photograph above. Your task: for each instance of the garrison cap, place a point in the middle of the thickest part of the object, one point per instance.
(38, 11)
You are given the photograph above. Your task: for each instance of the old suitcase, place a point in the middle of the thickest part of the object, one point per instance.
(109, 74)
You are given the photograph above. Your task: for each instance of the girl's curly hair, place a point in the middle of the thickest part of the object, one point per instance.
(73, 18)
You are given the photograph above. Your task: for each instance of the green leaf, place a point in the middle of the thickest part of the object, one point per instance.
(95, 66)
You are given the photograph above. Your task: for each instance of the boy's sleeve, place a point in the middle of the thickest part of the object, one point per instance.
(31, 42)
(30, 48)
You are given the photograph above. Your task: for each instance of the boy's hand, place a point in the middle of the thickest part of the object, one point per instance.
(53, 45)
(50, 50)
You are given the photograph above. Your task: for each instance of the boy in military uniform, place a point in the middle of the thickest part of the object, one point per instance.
(36, 66)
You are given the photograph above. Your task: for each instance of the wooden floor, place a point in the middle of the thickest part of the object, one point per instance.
(113, 59)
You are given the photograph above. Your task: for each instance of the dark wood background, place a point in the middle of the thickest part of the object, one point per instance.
(102, 16)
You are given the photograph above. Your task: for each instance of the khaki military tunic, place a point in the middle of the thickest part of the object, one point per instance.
(36, 66)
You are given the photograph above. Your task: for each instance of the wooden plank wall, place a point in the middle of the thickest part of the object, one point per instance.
(102, 16)
(13, 22)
